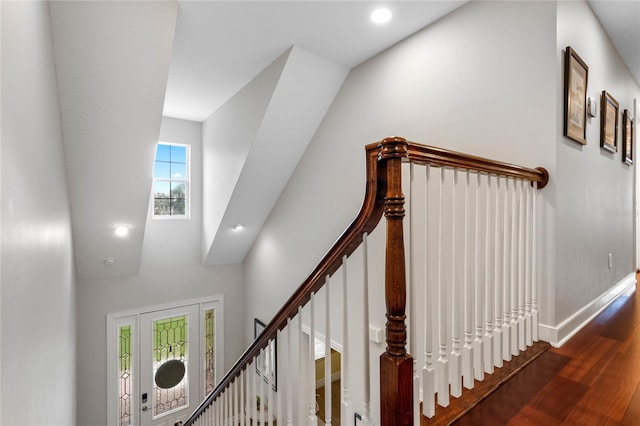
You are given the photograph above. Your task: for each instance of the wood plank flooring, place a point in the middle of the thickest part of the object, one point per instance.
(594, 379)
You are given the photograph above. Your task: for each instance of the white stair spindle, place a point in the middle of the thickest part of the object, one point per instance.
(521, 268)
(478, 344)
(242, 378)
(534, 256)
(289, 373)
(366, 413)
(262, 392)
(346, 413)
(488, 284)
(456, 360)
(313, 420)
(442, 372)
(301, 374)
(506, 272)
(497, 279)
(413, 312)
(278, 395)
(527, 259)
(428, 370)
(467, 350)
(514, 269)
(327, 345)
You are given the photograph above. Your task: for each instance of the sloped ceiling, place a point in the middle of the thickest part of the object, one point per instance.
(112, 62)
(116, 60)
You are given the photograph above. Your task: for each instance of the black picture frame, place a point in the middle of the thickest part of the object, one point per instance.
(628, 130)
(576, 78)
(269, 370)
(609, 108)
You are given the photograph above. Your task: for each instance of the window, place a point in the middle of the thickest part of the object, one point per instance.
(171, 181)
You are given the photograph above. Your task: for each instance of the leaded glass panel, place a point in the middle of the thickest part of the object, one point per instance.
(209, 349)
(125, 390)
(170, 338)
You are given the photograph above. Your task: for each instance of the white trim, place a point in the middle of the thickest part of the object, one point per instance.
(559, 334)
(334, 377)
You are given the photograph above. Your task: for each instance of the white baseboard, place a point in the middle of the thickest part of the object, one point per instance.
(558, 335)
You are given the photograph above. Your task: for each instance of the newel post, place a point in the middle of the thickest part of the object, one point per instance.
(396, 364)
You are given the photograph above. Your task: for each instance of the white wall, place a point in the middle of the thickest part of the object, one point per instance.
(481, 80)
(594, 209)
(170, 271)
(37, 290)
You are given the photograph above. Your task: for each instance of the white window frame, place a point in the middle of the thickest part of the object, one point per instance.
(187, 182)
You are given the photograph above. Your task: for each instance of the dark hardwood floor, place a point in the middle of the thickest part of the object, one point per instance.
(594, 379)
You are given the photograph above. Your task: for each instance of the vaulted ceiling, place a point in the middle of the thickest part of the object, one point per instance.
(123, 65)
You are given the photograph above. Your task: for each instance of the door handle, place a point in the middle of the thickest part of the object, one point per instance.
(144, 408)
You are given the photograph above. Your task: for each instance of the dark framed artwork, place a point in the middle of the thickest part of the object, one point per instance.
(627, 137)
(609, 122)
(266, 364)
(576, 75)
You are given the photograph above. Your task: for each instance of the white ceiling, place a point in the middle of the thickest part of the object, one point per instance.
(220, 46)
(621, 20)
(116, 59)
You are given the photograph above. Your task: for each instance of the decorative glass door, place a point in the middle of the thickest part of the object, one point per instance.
(169, 365)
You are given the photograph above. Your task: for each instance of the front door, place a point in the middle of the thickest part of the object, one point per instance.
(169, 365)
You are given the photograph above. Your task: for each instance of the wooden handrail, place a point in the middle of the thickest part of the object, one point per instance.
(383, 195)
(366, 221)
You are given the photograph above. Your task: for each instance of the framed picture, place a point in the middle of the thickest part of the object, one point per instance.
(267, 363)
(609, 122)
(627, 137)
(576, 74)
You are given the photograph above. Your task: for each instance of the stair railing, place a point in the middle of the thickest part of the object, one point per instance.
(239, 395)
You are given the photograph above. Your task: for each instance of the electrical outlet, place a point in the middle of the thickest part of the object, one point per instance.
(610, 260)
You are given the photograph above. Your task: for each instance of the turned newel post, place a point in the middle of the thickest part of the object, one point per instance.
(396, 365)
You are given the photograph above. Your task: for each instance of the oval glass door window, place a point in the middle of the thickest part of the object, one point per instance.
(170, 374)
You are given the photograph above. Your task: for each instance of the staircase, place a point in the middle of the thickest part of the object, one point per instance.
(461, 248)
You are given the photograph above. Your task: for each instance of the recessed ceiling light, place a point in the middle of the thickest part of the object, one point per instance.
(381, 16)
(238, 227)
(121, 231)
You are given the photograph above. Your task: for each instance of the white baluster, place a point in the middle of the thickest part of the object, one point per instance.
(497, 280)
(428, 370)
(506, 276)
(456, 360)
(346, 412)
(301, 389)
(488, 286)
(534, 256)
(527, 259)
(313, 420)
(262, 392)
(327, 346)
(442, 372)
(478, 343)
(268, 356)
(289, 373)
(366, 413)
(278, 395)
(242, 412)
(467, 350)
(514, 269)
(413, 312)
(521, 268)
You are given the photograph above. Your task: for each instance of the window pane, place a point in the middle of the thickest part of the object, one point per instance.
(209, 342)
(178, 154)
(178, 190)
(177, 207)
(178, 171)
(163, 153)
(161, 189)
(161, 207)
(162, 170)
